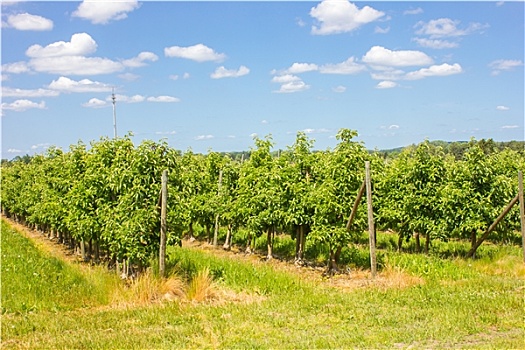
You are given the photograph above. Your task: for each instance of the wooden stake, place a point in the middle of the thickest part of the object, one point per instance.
(371, 229)
(356, 204)
(163, 225)
(472, 250)
(522, 210)
(216, 229)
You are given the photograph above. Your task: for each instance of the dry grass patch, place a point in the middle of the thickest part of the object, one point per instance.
(389, 278)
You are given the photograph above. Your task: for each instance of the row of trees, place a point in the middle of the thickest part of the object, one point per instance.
(106, 196)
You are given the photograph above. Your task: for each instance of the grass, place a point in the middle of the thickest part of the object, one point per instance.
(434, 303)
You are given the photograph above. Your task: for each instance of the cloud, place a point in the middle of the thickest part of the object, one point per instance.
(315, 131)
(163, 99)
(95, 103)
(176, 77)
(499, 66)
(129, 76)
(380, 30)
(510, 126)
(81, 44)
(126, 99)
(139, 60)
(350, 66)
(15, 68)
(25, 21)
(75, 65)
(10, 92)
(337, 16)
(287, 78)
(386, 84)
(23, 105)
(166, 132)
(222, 72)
(203, 137)
(446, 27)
(199, 53)
(64, 84)
(436, 70)
(14, 150)
(415, 11)
(298, 68)
(435, 43)
(293, 86)
(393, 127)
(339, 89)
(502, 108)
(102, 11)
(381, 56)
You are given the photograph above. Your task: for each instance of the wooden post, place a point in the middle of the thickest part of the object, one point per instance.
(371, 229)
(522, 210)
(216, 230)
(472, 250)
(354, 208)
(163, 207)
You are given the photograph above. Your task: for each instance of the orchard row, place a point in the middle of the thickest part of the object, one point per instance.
(108, 194)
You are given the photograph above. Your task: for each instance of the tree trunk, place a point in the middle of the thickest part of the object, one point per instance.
(216, 231)
(208, 232)
(299, 244)
(191, 238)
(418, 243)
(249, 244)
(400, 242)
(269, 244)
(227, 243)
(332, 264)
(473, 237)
(427, 243)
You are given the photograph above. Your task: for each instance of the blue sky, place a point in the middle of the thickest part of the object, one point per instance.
(210, 75)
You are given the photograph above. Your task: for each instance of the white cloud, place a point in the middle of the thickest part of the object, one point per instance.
(287, 78)
(502, 108)
(64, 84)
(393, 127)
(10, 92)
(436, 70)
(140, 59)
(510, 126)
(293, 86)
(126, 99)
(163, 99)
(23, 105)
(337, 16)
(435, 43)
(222, 72)
(350, 66)
(75, 65)
(199, 53)
(386, 84)
(415, 11)
(315, 131)
(381, 56)
(102, 11)
(388, 74)
(499, 66)
(26, 21)
(81, 44)
(339, 89)
(95, 103)
(14, 150)
(129, 76)
(44, 145)
(203, 137)
(166, 132)
(380, 30)
(446, 27)
(15, 68)
(298, 68)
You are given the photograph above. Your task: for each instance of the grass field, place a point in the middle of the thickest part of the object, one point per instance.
(416, 301)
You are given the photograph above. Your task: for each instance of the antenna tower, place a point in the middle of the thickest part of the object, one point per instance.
(114, 99)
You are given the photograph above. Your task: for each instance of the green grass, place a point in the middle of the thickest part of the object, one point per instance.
(34, 281)
(458, 303)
